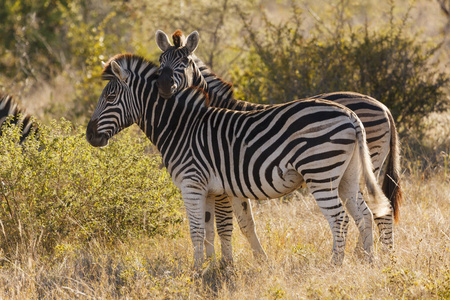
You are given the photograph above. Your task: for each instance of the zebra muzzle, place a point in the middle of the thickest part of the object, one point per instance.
(166, 84)
(94, 137)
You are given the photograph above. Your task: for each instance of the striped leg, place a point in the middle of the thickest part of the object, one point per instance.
(330, 204)
(386, 228)
(243, 211)
(209, 227)
(349, 191)
(224, 224)
(195, 201)
(385, 224)
(368, 223)
(360, 212)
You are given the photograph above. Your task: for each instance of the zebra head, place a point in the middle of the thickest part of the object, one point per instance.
(177, 68)
(115, 108)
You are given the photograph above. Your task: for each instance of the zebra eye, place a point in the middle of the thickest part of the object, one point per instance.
(111, 97)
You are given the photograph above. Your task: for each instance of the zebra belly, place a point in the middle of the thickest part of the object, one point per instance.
(282, 182)
(285, 183)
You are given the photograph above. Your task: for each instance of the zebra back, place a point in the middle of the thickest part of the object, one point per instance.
(374, 116)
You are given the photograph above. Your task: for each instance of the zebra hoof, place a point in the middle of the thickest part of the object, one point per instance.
(387, 245)
(337, 258)
(226, 263)
(363, 255)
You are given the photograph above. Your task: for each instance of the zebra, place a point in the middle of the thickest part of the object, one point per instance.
(259, 154)
(180, 67)
(376, 117)
(10, 109)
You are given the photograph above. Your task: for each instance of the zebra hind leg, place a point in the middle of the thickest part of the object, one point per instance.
(361, 214)
(243, 211)
(209, 228)
(386, 229)
(327, 198)
(385, 224)
(349, 191)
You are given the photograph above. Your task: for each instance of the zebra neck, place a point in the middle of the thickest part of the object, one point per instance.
(167, 121)
(199, 80)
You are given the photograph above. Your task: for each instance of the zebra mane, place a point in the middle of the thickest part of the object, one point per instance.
(213, 81)
(178, 38)
(132, 63)
(205, 94)
(9, 108)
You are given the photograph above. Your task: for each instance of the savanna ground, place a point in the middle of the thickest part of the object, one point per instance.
(81, 222)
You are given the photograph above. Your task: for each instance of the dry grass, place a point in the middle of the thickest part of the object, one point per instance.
(297, 240)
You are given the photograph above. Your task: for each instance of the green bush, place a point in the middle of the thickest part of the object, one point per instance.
(59, 189)
(395, 68)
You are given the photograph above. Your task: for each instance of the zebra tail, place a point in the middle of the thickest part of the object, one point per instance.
(376, 200)
(391, 182)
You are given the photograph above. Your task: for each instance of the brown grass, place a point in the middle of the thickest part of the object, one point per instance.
(298, 243)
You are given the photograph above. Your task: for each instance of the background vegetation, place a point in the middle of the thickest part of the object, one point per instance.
(77, 221)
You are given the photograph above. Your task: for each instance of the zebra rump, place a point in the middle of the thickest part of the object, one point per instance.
(376, 117)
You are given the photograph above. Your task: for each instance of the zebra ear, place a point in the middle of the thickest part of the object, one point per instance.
(118, 71)
(192, 41)
(103, 64)
(162, 40)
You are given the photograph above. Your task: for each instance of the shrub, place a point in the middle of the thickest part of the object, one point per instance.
(60, 189)
(395, 68)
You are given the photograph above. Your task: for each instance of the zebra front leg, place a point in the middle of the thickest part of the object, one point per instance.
(243, 211)
(224, 224)
(195, 201)
(209, 227)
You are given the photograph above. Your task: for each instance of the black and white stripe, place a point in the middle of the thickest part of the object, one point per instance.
(10, 110)
(259, 155)
(377, 119)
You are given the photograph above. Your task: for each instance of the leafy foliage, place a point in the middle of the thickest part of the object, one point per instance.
(389, 65)
(58, 188)
(31, 36)
(96, 30)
